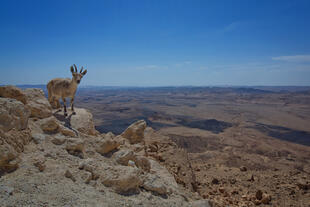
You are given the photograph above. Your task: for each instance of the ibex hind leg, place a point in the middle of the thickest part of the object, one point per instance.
(57, 103)
(65, 106)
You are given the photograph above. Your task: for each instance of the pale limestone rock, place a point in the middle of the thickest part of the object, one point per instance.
(75, 147)
(7, 154)
(166, 178)
(131, 163)
(13, 114)
(15, 138)
(266, 198)
(13, 92)
(40, 163)
(109, 135)
(69, 175)
(135, 132)
(107, 145)
(67, 132)
(83, 122)
(123, 179)
(143, 163)
(87, 177)
(152, 182)
(58, 139)
(37, 103)
(38, 138)
(123, 156)
(50, 125)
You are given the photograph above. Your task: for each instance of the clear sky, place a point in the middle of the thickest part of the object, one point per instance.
(156, 42)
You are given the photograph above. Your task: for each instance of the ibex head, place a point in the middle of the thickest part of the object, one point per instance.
(77, 76)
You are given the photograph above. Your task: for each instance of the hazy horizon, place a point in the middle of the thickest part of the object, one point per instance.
(157, 43)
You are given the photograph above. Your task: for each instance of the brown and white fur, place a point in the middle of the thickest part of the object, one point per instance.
(64, 87)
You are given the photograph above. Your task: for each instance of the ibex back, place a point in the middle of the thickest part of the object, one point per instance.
(64, 87)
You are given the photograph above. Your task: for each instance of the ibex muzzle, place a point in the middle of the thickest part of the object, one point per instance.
(64, 87)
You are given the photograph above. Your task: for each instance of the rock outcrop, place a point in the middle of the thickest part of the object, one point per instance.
(135, 132)
(14, 93)
(37, 103)
(13, 132)
(70, 160)
(33, 99)
(13, 114)
(83, 122)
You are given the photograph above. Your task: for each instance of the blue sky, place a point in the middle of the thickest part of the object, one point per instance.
(156, 42)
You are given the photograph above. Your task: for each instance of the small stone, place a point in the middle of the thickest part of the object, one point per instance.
(232, 181)
(40, 165)
(221, 190)
(68, 174)
(6, 190)
(303, 185)
(234, 192)
(215, 181)
(87, 177)
(251, 178)
(244, 197)
(243, 169)
(131, 163)
(257, 202)
(266, 198)
(259, 195)
(38, 138)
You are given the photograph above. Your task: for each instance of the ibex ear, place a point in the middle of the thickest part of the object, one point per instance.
(72, 69)
(84, 72)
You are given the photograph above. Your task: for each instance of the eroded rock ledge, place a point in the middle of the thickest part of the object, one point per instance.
(44, 153)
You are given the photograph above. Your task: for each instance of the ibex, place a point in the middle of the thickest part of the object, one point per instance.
(64, 87)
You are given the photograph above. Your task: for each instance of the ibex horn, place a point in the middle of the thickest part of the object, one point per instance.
(81, 69)
(75, 68)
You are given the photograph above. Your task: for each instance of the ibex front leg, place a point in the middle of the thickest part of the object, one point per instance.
(72, 107)
(65, 106)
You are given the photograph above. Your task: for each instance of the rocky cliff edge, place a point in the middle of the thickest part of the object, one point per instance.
(47, 159)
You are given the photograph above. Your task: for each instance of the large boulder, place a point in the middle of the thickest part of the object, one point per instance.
(13, 114)
(135, 132)
(13, 92)
(123, 179)
(153, 183)
(82, 121)
(161, 148)
(13, 132)
(107, 145)
(162, 181)
(37, 103)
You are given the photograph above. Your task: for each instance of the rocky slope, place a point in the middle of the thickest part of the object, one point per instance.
(47, 159)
